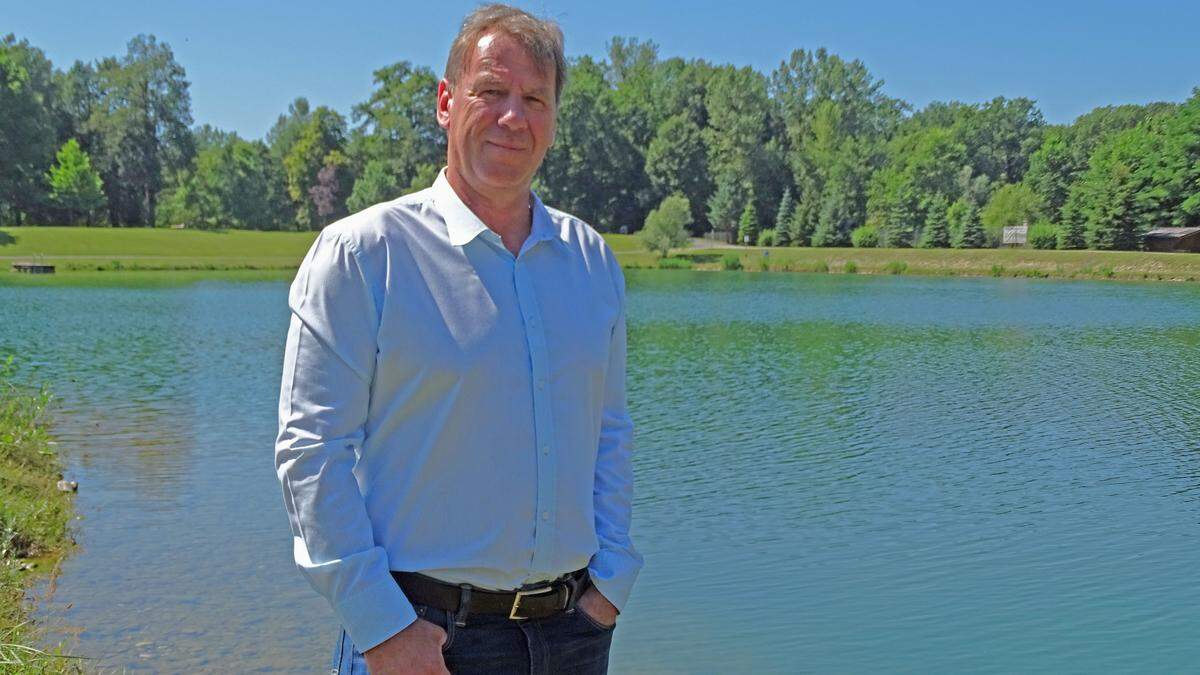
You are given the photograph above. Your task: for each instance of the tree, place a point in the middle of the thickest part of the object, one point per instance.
(75, 187)
(676, 162)
(141, 122)
(397, 126)
(1011, 205)
(1064, 152)
(965, 229)
(936, 233)
(748, 223)
(318, 145)
(835, 120)
(783, 218)
(376, 184)
(726, 202)
(593, 170)
(1106, 197)
(27, 129)
(424, 177)
(666, 226)
(327, 193)
(740, 138)
(232, 183)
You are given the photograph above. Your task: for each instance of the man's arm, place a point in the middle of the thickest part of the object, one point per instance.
(615, 566)
(329, 363)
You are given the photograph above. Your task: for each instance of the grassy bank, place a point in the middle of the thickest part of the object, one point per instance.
(33, 521)
(141, 256)
(1122, 265)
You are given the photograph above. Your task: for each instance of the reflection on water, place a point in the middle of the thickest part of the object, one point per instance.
(834, 474)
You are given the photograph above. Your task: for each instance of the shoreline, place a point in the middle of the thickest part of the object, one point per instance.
(35, 512)
(155, 257)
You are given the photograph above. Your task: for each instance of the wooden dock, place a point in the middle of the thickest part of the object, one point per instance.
(33, 268)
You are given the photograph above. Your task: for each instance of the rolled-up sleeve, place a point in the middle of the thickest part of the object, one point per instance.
(328, 366)
(615, 566)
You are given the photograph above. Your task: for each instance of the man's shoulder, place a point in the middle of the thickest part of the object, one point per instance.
(371, 229)
(578, 233)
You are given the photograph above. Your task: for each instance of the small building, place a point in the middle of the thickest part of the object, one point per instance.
(1173, 240)
(1016, 235)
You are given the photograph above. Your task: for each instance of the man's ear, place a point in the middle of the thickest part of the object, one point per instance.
(444, 101)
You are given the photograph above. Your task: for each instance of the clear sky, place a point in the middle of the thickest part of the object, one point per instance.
(247, 60)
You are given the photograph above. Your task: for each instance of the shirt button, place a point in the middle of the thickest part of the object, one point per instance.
(545, 515)
(545, 449)
(541, 384)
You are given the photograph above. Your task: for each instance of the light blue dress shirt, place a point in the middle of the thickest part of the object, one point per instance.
(451, 409)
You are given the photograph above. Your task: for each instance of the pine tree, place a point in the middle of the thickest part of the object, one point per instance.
(937, 230)
(748, 223)
(963, 217)
(784, 217)
(723, 205)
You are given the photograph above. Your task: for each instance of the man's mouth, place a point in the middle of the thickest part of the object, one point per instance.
(506, 146)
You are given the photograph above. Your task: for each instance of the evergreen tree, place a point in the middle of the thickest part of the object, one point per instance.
(783, 218)
(966, 230)
(937, 229)
(726, 202)
(748, 223)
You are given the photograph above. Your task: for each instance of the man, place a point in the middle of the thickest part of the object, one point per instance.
(454, 444)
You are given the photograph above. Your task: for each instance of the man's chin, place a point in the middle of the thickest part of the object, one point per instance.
(502, 177)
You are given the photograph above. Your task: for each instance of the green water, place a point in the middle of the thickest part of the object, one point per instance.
(834, 474)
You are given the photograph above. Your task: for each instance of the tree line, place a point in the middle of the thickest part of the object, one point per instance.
(812, 154)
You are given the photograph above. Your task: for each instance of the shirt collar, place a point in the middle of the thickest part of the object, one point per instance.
(462, 225)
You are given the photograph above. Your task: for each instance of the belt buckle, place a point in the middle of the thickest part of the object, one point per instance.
(516, 606)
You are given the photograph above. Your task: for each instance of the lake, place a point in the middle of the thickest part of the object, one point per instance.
(834, 474)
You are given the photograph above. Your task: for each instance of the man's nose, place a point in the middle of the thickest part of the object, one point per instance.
(513, 115)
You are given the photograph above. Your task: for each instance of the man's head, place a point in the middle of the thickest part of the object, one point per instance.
(499, 97)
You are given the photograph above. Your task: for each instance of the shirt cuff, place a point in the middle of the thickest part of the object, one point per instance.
(613, 573)
(375, 614)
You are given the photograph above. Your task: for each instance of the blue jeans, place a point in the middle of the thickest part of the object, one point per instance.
(567, 642)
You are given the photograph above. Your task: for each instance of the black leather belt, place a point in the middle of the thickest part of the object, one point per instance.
(535, 602)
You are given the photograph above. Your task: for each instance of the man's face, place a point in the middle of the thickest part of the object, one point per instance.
(499, 119)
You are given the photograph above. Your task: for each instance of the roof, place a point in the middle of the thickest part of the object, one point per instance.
(1172, 232)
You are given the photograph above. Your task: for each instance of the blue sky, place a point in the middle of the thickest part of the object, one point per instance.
(247, 60)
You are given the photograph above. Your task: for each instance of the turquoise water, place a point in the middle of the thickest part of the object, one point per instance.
(834, 474)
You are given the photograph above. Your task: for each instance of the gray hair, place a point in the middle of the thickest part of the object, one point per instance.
(541, 38)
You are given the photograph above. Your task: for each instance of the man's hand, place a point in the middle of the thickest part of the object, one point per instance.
(597, 607)
(416, 650)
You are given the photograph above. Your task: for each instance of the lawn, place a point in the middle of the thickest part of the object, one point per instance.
(123, 256)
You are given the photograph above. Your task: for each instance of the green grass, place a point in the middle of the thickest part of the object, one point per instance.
(137, 242)
(33, 520)
(145, 256)
(623, 243)
(1025, 263)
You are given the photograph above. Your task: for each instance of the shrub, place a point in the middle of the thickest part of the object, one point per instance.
(731, 261)
(865, 237)
(896, 267)
(666, 226)
(1043, 235)
(766, 237)
(851, 267)
(674, 264)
